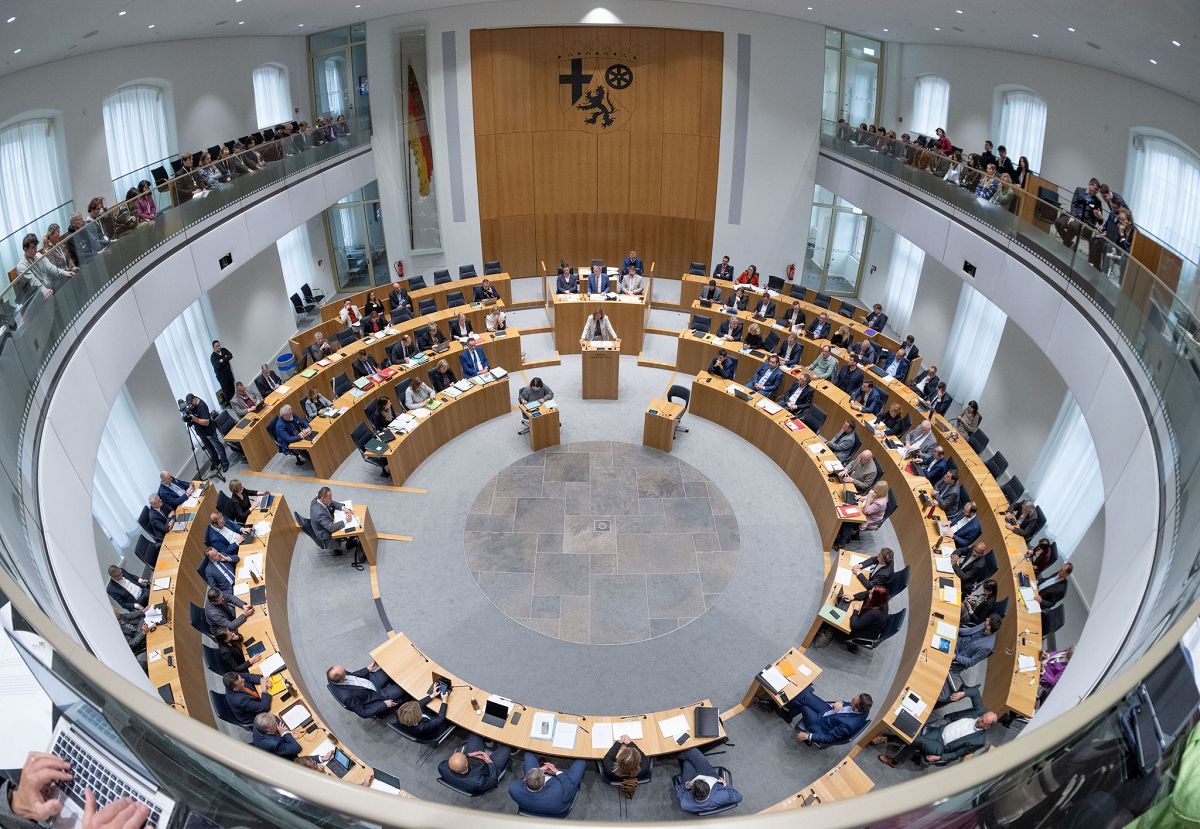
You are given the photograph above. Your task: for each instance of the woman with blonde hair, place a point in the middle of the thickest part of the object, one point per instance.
(874, 507)
(625, 762)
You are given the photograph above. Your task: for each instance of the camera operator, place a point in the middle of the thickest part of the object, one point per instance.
(196, 415)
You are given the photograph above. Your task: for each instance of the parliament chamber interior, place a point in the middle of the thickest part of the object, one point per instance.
(423, 413)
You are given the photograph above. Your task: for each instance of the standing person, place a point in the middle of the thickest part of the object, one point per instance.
(201, 420)
(221, 359)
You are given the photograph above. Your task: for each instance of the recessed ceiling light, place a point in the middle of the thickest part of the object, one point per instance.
(1070, 28)
(1175, 43)
(241, 22)
(16, 51)
(1152, 60)
(937, 28)
(11, 19)
(300, 26)
(810, 8)
(151, 26)
(1035, 34)
(958, 11)
(122, 13)
(885, 30)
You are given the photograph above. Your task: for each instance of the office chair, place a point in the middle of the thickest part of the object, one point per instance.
(903, 426)
(370, 410)
(416, 283)
(895, 621)
(143, 522)
(849, 309)
(1039, 522)
(401, 315)
(1013, 489)
(822, 301)
(426, 306)
(341, 385)
(990, 566)
(315, 297)
(301, 308)
(814, 418)
(724, 774)
(345, 337)
(441, 277)
(1053, 618)
(225, 505)
(449, 785)
(772, 340)
(196, 617)
(697, 269)
(402, 390)
(306, 527)
(212, 660)
(224, 712)
(466, 272)
(892, 504)
(701, 324)
(599, 262)
(146, 551)
(680, 394)
(898, 583)
(775, 283)
(796, 291)
(996, 465)
(454, 299)
(431, 743)
(1001, 607)
(978, 440)
(492, 268)
(361, 435)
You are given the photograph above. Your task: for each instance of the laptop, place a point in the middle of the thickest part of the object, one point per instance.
(706, 303)
(339, 763)
(741, 395)
(495, 711)
(100, 760)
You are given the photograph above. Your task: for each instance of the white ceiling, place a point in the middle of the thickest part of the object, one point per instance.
(1122, 37)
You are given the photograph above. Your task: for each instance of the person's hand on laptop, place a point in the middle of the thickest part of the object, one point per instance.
(120, 814)
(35, 798)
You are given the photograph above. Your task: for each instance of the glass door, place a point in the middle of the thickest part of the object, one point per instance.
(837, 234)
(338, 66)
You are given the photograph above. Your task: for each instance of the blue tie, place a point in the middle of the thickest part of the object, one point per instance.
(225, 572)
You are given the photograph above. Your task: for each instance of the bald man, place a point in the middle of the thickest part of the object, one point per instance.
(472, 769)
(963, 733)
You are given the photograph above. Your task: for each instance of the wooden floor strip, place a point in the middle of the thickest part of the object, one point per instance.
(308, 480)
(664, 365)
(394, 537)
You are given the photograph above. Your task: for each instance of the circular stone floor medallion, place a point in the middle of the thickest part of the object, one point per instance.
(602, 543)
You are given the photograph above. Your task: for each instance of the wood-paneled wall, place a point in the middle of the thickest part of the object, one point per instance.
(551, 188)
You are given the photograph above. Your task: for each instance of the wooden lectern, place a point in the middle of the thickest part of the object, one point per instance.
(601, 369)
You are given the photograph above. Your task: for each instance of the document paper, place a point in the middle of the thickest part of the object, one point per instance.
(672, 727)
(564, 735)
(775, 679)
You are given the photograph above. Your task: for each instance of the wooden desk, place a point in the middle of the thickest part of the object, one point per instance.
(845, 563)
(544, 429)
(658, 431)
(569, 312)
(365, 532)
(413, 672)
(806, 673)
(436, 292)
(843, 781)
(601, 370)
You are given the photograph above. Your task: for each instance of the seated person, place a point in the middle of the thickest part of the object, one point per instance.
(963, 526)
(724, 270)
(243, 697)
(134, 628)
(824, 365)
(731, 329)
(1053, 589)
(768, 377)
(429, 337)
(842, 443)
(399, 299)
(220, 610)
(461, 327)
(850, 377)
(970, 565)
(791, 350)
(754, 338)
(866, 398)
(403, 350)
(634, 262)
(711, 292)
(225, 536)
(931, 464)
(535, 391)
(974, 644)
(384, 414)
(239, 498)
(841, 338)
(918, 440)
(496, 319)
(794, 319)
(820, 327)
(544, 790)
(722, 365)
(939, 400)
(350, 316)
(245, 400)
(173, 491)
(486, 290)
(860, 471)
(960, 734)
(873, 507)
(374, 322)
(947, 492)
(824, 722)
(291, 428)
(969, 419)
(799, 397)
(368, 692)
(272, 736)
(890, 419)
(417, 394)
(865, 353)
(980, 604)
(473, 361)
(1022, 520)
(160, 518)
(230, 654)
(417, 721)
(701, 789)
(876, 320)
(871, 618)
(632, 283)
(320, 348)
(926, 382)
(738, 300)
(472, 769)
(764, 308)
(1040, 555)
(877, 571)
(749, 276)
(625, 762)
(266, 381)
(314, 403)
(127, 590)
(567, 281)
(442, 377)
(598, 281)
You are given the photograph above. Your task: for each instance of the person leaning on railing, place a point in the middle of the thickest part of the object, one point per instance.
(38, 273)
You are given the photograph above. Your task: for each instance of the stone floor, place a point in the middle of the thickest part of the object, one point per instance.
(601, 543)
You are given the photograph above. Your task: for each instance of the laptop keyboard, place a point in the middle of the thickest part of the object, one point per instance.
(89, 773)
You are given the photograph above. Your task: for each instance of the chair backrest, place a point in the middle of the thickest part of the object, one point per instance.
(280, 445)
(771, 341)
(892, 505)
(697, 269)
(1053, 618)
(466, 271)
(796, 291)
(415, 283)
(225, 422)
(441, 277)
(990, 565)
(1001, 607)
(775, 283)
(427, 306)
(346, 336)
(223, 711)
(360, 436)
(996, 464)
(848, 309)
(680, 393)
(1039, 523)
(306, 527)
(298, 305)
(814, 418)
(599, 262)
(145, 551)
(1012, 489)
(308, 292)
(898, 583)
(196, 617)
(225, 505)
(895, 621)
(341, 384)
(904, 425)
(371, 408)
(878, 471)
(978, 440)
(212, 660)
(144, 519)
(822, 300)
(492, 268)
(401, 315)
(455, 299)
(401, 390)
(856, 445)
(701, 323)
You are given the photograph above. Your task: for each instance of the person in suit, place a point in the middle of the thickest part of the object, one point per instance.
(159, 518)
(919, 439)
(473, 361)
(820, 327)
(1023, 520)
(472, 769)
(731, 329)
(864, 353)
(1087, 211)
(843, 443)
(486, 290)
(244, 400)
(403, 350)
(765, 308)
(318, 350)
(975, 643)
(793, 319)
(908, 349)
(860, 471)
(244, 699)
(567, 281)
(219, 570)
(1053, 589)
(597, 280)
(876, 320)
(417, 721)
(271, 735)
(738, 300)
(979, 603)
(849, 378)
(970, 565)
(544, 790)
(791, 350)
(291, 428)
(442, 377)
(632, 283)
(768, 377)
(430, 336)
(266, 381)
(722, 365)
(230, 653)
(598, 328)
(321, 514)
(220, 610)
(398, 298)
(222, 359)
(239, 497)
(127, 590)
(932, 464)
(724, 270)
(632, 260)
(948, 493)
(624, 763)
(173, 491)
(711, 292)
(798, 398)
(926, 382)
(963, 526)
(939, 400)
(701, 788)
(866, 398)
(826, 722)
(461, 327)
(364, 365)
(897, 366)
(224, 536)
(374, 323)
(960, 734)
(368, 692)
(890, 421)
(825, 364)
(875, 572)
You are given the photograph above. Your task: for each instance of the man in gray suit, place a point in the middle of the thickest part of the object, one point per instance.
(321, 514)
(921, 439)
(245, 399)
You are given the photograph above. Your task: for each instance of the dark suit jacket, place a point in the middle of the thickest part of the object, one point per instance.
(731, 328)
(1054, 594)
(722, 271)
(936, 470)
(426, 340)
(804, 401)
(121, 596)
(968, 532)
(874, 574)
(284, 745)
(972, 742)
(214, 539)
(440, 381)
(481, 293)
(554, 799)
(795, 357)
(244, 706)
(791, 319)
(362, 701)
(260, 383)
(455, 331)
(361, 370)
(724, 369)
(170, 498)
(158, 520)
(430, 724)
(609, 763)
(480, 776)
(233, 658)
(226, 615)
(467, 364)
(212, 575)
(764, 308)
(970, 571)
(401, 352)
(876, 321)
(818, 330)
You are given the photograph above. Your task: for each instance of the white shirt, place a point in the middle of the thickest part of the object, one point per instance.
(796, 395)
(358, 682)
(958, 729)
(230, 536)
(131, 588)
(960, 523)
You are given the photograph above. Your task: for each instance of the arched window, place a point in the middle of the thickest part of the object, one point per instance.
(1022, 128)
(272, 95)
(931, 100)
(1164, 191)
(32, 180)
(135, 132)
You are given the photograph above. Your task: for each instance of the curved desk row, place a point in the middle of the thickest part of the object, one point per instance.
(569, 313)
(414, 672)
(437, 292)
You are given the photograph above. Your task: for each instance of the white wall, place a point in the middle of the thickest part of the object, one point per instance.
(158, 413)
(210, 81)
(1089, 111)
(785, 87)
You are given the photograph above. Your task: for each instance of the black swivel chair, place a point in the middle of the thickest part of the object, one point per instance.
(426, 306)
(212, 660)
(416, 283)
(615, 782)
(197, 619)
(225, 506)
(722, 772)
(441, 277)
(814, 418)
(701, 324)
(224, 712)
(1013, 489)
(315, 297)
(146, 551)
(454, 299)
(1001, 607)
(990, 565)
(225, 425)
(361, 436)
(599, 262)
(680, 394)
(143, 522)
(1053, 618)
(401, 315)
(466, 272)
(894, 622)
(898, 583)
(492, 268)
(978, 440)
(302, 308)
(771, 341)
(341, 385)
(346, 336)
(996, 465)
(697, 269)
(892, 504)
(822, 301)
(401, 391)
(305, 525)
(848, 309)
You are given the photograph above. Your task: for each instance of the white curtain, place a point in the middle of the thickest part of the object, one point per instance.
(31, 174)
(126, 473)
(1164, 192)
(974, 337)
(1022, 126)
(272, 95)
(184, 349)
(295, 258)
(931, 101)
(335, 91)
(903, 277)
(135, 132)
(1066, 481)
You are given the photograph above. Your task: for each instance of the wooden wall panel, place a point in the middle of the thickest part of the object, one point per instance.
(552, 187)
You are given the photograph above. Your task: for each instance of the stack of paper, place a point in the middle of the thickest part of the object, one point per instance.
(833, 466)
(768, 406)
(463, 385)
(913, 704)
(672, 727)
(499, 373)
(350, 521)
(602, 344)
(296, 716)
(858, 558)
(283, 389)
(420, 414)
(163, 583)
(1025, 664)
(564, 735)
(543, 726)
(271, 664)
(842, 576)
(251, 564)
(324, 748)
(549, 405)
(241, 589)
(946, 630)
(154, 615)
(774, 679)
(453, 391)
(950, 595)
(943, 564)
